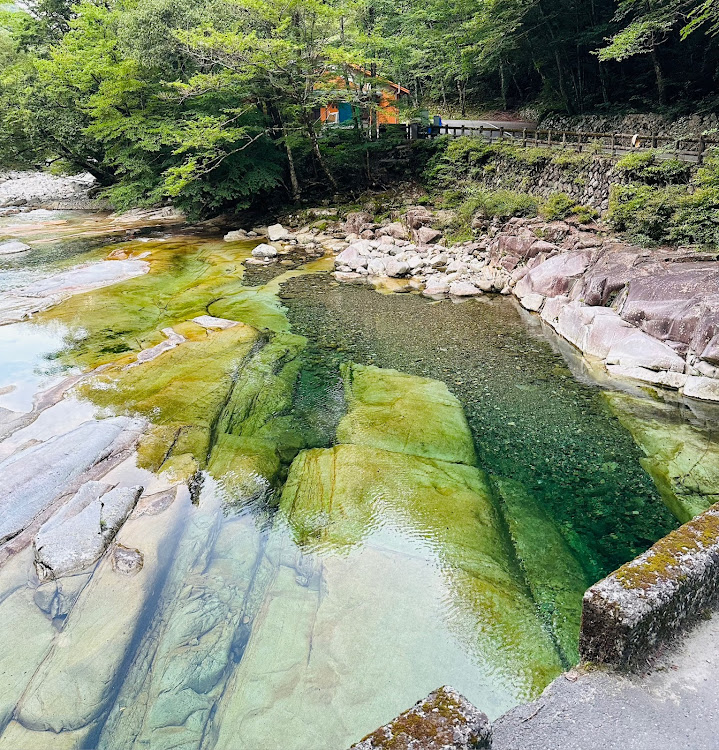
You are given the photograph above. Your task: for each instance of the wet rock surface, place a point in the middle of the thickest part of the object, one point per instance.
(36, 477)
(78, 534)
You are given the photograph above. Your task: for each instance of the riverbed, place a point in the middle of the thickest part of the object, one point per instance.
(348, 497)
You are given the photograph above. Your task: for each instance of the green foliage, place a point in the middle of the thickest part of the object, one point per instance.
(457, 159)
(571, 161)
(558, 206)
(643, 211)
(561, 206)
(502, 204)
(649, 167)
(671, 213)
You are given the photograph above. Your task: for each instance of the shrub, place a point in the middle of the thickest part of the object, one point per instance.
(644, 212)
(585, 214)
(647, 167)
(501, 203)
(571, 161)
(558, 206)
(460, 158)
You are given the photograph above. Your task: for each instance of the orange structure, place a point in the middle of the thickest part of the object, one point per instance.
(384, 93)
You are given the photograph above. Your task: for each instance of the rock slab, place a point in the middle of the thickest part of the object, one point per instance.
(444, 719)
(76, 536)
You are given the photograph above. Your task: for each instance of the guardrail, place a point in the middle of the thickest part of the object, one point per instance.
(684, 149)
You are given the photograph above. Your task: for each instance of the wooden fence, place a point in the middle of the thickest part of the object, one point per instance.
(684, 149)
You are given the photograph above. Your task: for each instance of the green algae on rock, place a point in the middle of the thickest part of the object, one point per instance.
(554, 574)
(182, 392)
(405, 414)
(256, 433)
(683, 459)
(186, 275)
(391, 470)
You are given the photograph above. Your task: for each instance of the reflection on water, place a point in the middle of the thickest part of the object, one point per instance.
(348, 501)
(28, 363)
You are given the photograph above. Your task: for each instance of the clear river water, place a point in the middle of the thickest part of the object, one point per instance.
(350, 496)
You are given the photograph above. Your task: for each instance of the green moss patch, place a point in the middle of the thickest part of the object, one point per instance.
(405, 414)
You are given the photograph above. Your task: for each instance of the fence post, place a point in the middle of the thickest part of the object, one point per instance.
(524, 137)
(462, 133)
(501, 134)
(654, 140)
(702, 146)
(614, 144)
(549, 138)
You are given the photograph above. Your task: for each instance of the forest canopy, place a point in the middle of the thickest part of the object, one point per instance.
(214, 102)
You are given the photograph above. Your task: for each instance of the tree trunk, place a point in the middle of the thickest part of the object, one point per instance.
(318, 154)
(661, 85)
(503, 85)
(293, 174)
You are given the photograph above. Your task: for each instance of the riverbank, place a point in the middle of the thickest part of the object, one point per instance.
(644, 315)
(23, 191)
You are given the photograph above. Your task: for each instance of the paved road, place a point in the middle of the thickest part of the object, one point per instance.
(674, 707)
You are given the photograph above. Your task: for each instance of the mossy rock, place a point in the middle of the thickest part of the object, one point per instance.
(682, 459)
(554, 574)
(335, 499)
(404, 414)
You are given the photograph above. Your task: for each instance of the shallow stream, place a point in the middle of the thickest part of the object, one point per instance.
(351, 497)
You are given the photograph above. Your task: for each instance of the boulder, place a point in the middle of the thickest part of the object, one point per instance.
(417, 217)
(706, 389)
(76, 536)
(641, 350)
(355, 221)
(435, 286)
(553, 277)
(352, 258)
(238, 235)
(428, 236)
(396, 268)
(12, 247)
(277, 233)
(552, 309)
(670, 302)
(395, 230)
(444, 719)
(376, 267)
(532, 302)
(264, 251)
(463, 289)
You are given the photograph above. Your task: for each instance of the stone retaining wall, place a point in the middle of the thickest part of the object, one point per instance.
(631, 614)
(586, 179)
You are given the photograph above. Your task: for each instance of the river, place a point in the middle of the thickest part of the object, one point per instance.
(347, 497)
